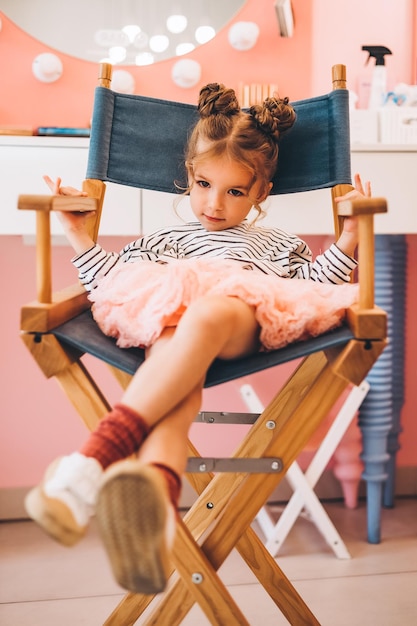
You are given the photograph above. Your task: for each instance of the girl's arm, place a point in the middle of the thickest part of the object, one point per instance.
(348, 240)
(336, 264)
(91, 260)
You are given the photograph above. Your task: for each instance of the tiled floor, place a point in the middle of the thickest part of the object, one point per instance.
(44, 584)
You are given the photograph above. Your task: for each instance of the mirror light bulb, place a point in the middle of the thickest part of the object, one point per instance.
(203, 34)
(131, 30)
(117, 54)
(144, 58)
(141, 40)
(159, 43)
(184, 48)
(176, 23)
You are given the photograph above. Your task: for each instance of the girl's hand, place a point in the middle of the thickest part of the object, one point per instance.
(57, 190)
(74, 223)
(360, 190)
(348, 240)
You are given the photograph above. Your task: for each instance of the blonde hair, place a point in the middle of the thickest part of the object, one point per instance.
(248, 137)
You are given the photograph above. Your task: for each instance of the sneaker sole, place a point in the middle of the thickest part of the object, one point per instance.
(131, 515)
(53, 517)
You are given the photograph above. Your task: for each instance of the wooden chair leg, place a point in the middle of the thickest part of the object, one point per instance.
(178, 598)
(66, 367)
(295, 417)
(84, 394)
(236, 517)
(203, 584)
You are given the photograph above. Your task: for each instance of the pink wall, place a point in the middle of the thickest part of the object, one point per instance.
(339, 32)
(68, 101)
(37, 422)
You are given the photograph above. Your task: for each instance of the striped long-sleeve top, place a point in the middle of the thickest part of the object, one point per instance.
(263, 249)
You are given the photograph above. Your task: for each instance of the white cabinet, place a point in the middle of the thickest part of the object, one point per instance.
(23, 162)
(392, 171)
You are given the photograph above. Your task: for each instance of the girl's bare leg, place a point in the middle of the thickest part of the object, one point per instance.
(168, 438)
(166, 392)
(212, 327)
(167, 442)
(160, 402)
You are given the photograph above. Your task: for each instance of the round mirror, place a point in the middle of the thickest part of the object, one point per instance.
(125, 32)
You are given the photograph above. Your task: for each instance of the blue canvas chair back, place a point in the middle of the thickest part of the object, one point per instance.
(140, 142)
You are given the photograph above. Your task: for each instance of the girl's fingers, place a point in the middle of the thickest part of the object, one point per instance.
(57, 186)
(358, 183)
(363, 189)
(54, 186)
(57, 190)
(71, 191)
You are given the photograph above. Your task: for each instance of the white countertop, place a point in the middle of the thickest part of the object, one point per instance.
(37, 140)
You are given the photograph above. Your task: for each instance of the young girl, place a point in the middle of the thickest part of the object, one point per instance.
(215, 288)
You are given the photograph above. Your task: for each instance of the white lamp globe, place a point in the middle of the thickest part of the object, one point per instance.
(123, 81)
(47, 67)
(186, 73)
(243, 35)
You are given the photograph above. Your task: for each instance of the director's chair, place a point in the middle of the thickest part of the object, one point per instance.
(131, 145)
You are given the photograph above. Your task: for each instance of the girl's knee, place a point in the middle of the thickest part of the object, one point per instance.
(226, 322)
(211, 311)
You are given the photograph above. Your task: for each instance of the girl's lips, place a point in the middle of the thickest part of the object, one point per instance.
(213, 219)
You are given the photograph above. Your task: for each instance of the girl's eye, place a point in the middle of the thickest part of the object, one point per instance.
(202, 183)
(235, 192)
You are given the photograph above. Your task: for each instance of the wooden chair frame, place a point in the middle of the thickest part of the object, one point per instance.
(220, 519)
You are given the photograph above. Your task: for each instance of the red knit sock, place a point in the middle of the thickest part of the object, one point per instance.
(173, 481)
(117, 436)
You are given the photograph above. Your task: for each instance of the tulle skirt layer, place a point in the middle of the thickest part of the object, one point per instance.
(138, 300)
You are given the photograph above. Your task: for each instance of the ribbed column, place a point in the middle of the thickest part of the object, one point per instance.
(379, 415)
(397, 337)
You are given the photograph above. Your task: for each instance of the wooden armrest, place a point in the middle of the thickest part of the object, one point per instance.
(362, 206)
(39, 317)
(365, 209)
(56, 203)
(43, 205)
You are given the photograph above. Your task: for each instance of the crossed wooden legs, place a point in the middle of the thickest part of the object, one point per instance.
(220, 519)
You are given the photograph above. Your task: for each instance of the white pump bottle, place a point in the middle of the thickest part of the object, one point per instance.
(379, 76)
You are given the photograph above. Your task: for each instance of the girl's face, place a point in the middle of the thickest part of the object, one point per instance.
(220, 193)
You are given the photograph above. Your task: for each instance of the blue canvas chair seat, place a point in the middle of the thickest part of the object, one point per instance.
(83, 334)
(140, 142)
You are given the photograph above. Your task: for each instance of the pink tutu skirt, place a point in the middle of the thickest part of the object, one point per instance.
(138, 300)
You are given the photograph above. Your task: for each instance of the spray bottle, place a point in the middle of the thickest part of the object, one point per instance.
(379, 75)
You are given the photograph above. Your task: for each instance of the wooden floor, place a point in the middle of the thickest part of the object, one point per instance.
(44, 584)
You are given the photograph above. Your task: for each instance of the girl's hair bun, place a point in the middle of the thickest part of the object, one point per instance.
(216, 99)
(274, 116)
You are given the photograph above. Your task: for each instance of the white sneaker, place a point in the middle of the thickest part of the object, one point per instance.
(137, 523)
(64, 502)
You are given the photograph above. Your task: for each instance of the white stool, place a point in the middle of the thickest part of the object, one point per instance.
(303, 484)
